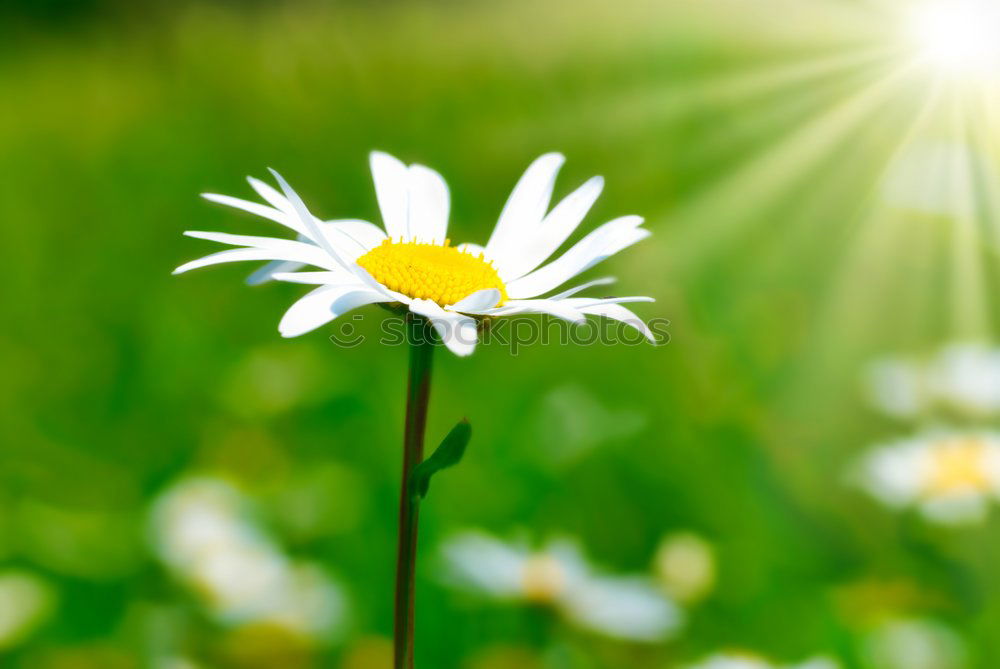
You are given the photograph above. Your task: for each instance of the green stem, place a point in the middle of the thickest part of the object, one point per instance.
(417, 398)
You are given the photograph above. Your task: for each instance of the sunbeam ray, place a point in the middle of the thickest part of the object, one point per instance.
(706, 222)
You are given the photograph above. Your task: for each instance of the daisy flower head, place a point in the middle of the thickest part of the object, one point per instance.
(412, 263)
(950, 477)
(558, 576)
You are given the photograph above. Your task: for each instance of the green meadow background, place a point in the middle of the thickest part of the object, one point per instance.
(752, 136)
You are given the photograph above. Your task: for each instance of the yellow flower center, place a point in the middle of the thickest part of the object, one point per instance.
(542, 579)
(431, 271)
(959, 465)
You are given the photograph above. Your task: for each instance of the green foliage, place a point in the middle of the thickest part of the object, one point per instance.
(448, 454)
(755, 155)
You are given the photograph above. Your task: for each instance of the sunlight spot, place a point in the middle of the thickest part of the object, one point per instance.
(959, 38)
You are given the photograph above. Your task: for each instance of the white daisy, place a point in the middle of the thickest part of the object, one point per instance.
(203, 535)
(412, 262)
(950, 477)
(624, 607)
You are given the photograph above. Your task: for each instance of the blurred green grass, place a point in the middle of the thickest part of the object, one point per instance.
(118, 378)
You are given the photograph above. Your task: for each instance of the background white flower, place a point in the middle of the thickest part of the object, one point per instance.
(412, 262)
(963, 377)
(26, 602)
(968, 377)
(950, 476)
(202, 533)
(913, 643)
(745, 660)
(624, 607)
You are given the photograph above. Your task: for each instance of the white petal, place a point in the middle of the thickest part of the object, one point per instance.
(581, 302)
(273, 197)
(352, 237)
(315, 278)
(392, 192)
(258, 210)
(484, 564)
(626, 608)
(268, 271)
(583, 286)
(477, 301)
(553, 231)
(458, 332)
(428, 205)
(275, 267)
(622, 314)
(526, 205)
(312, 229)
(255, 241)
(283, 249)
(555, 308)
(970, 508)
(603, 242)
(323, 305)
(237, 255)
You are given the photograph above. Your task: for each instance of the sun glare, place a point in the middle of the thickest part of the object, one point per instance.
(960, 38)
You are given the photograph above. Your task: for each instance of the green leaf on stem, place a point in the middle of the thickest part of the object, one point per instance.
(448, 454)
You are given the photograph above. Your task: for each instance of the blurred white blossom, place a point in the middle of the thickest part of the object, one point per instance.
(968, 377)
(174, 663)
(204, 535)
(26, 601)
(624, 607)
(950, 477)
(914, 644)
(685, 566)
(744, 660)
(963, 377)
